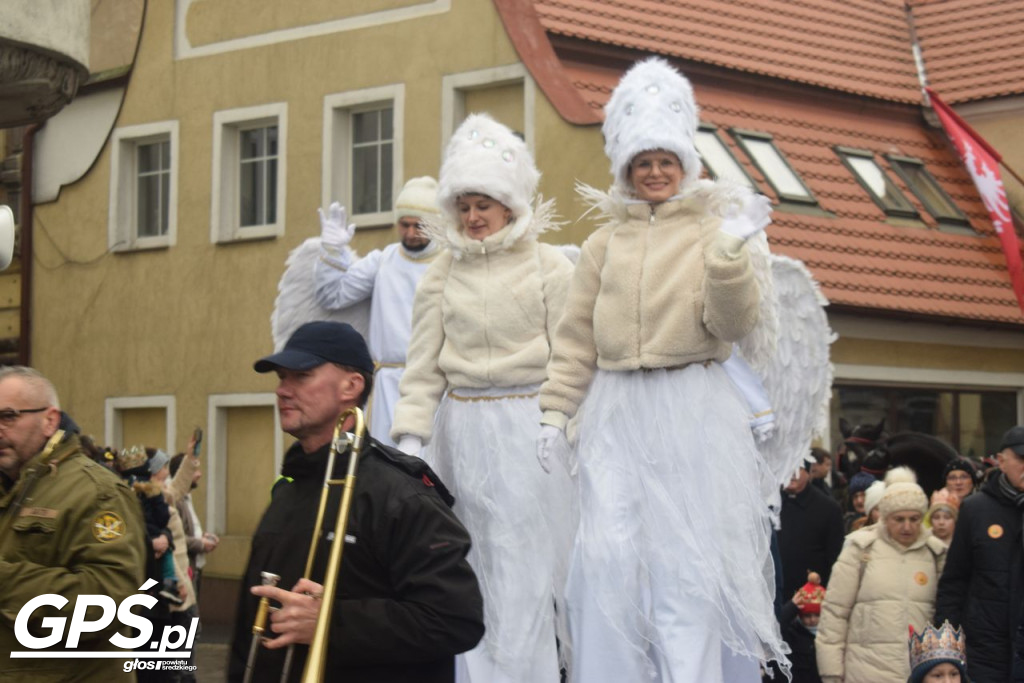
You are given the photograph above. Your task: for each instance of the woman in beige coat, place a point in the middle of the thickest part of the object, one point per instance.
(883, 582)
(483, 318)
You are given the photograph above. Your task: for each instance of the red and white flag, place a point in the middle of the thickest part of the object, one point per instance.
(982, 162)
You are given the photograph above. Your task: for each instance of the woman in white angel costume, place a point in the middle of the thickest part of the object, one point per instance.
(483, 317)
(671, 577)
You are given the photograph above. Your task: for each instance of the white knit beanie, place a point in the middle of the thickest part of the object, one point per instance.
(651, 108)
(418, 198)
(485, 157)
(902, 493)
(873, 496)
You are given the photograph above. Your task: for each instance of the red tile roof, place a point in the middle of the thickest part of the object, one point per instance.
(813, 74)
(972, 48)
(857, 46)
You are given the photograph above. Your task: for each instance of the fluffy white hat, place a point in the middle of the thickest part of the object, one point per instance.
(873, 496)
(485, 157)
(651, 108)
(418, 198)
(902, 493)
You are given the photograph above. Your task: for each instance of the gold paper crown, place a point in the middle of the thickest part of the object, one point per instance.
(934, 645)
(130, 458)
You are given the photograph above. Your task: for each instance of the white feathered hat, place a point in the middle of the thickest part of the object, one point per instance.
(651, 108)
(485, 157)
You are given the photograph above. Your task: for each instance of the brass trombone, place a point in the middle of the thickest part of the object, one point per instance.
(317, 657)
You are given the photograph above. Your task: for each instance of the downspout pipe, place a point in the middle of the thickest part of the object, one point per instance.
(27, 257)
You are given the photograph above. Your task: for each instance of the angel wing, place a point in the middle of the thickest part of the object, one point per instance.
(798, 373)
(296, 303)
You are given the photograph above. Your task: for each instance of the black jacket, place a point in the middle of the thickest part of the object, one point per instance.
(982, 585)
(407, 599)
(810, 537)
(801, 643)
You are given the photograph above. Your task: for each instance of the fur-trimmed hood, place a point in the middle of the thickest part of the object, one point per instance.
(721, 198)
(536, 220)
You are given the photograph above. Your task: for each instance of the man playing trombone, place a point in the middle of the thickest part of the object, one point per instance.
(406, 599)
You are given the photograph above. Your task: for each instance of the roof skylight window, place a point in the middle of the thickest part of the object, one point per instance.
(769, 160)
(878, 184)
(718, 160)
(928, 190)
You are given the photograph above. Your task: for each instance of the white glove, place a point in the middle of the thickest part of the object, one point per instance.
(763, 431)
(752, 218)
(333, 231)
(411, 445)
(551, 445)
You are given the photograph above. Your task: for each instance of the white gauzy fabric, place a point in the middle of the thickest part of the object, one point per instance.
(671, 576)
(521, 520)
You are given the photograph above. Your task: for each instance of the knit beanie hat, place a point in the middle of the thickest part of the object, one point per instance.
(860, 482)
(486, 157)
(651, 108)
(158, 460)
(813, 594)
(959, 464)
(943, 499)
(418, 198)
(873, 496)
(902, 493)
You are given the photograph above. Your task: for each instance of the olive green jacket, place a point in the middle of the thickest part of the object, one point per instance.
(79, 531)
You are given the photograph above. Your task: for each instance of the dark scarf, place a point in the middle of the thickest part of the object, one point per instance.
(1011, 494)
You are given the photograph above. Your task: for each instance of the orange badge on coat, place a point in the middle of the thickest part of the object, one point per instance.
(921, 579)
(995, 531)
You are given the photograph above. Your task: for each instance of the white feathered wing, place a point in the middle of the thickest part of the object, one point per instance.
(797, 371)
(296, 301)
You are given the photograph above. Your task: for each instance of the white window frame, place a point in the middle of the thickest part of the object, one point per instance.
(337, 150)
(217, 447)
(224, 218)
(122, 231)
(453, 97)
(113, 414)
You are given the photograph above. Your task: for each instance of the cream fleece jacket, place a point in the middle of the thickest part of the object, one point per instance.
(659, 288)
(483, 316)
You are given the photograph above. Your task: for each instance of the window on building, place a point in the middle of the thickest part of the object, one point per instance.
(362, 159)
(257, 196)
(153, 174)
(929, 192)
(761, 149)
(142, 211)
(972, 421)
(249, 160)
(878, 184)
(718, 160)
(372, 172)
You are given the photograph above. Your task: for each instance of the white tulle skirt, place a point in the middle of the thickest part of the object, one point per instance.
(521, 521)
(671, 577)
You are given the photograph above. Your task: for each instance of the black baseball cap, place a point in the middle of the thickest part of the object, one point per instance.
(1014, 440)
(316, 343)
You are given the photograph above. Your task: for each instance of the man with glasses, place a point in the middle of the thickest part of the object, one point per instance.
(67, 526)
(982, 584)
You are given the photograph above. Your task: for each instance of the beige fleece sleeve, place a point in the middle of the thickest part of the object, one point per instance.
(557, 273)
(573, 351)
(423, 382)
(731, 294)
(181, 482)
(843, 586)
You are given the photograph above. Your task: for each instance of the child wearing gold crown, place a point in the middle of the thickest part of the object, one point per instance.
(938, 655)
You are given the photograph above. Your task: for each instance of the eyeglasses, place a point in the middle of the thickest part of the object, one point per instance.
(9, 416)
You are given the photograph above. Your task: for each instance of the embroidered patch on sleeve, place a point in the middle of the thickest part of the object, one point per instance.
(108, 526)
